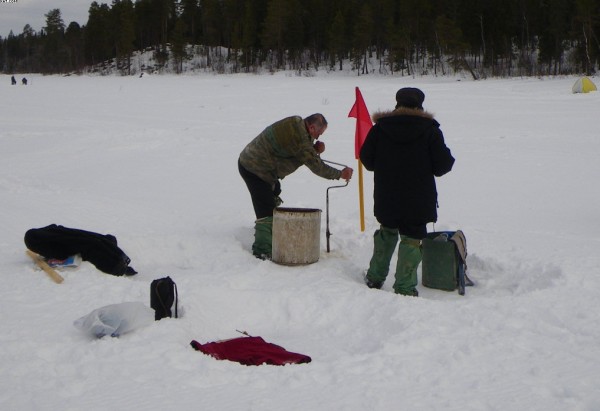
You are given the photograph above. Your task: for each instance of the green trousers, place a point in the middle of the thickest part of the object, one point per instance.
(384, 244)
(409, 258)
(263, 238)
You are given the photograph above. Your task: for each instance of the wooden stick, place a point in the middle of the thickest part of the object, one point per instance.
(361, 203)
(56, 277)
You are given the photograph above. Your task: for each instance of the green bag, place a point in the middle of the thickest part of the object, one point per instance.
(444, 261)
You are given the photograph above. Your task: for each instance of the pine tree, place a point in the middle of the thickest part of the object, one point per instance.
(178, 44)
(363, 39)
(293, 36)
(337, 40)
(98, 35)
(74, 43)
(122, 19)
(273, 33)
(55, 56)
(190, 16)
(587, 16)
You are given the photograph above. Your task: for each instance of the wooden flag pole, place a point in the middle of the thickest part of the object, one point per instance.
(361, 196)
(363, 124)
(56, 277)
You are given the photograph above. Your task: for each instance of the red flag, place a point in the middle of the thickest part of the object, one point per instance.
(363, 122)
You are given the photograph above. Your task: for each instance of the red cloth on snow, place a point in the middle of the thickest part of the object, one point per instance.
(250, 351)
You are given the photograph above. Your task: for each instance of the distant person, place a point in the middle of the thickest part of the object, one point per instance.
(278, 151)
(24, 81)
(13, 80)
(406, 151)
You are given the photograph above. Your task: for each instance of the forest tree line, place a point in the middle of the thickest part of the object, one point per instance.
(414, 37)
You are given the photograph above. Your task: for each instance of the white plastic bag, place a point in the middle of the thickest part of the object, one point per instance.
(115, 319)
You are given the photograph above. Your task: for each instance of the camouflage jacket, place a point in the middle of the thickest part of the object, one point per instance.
(281, 149)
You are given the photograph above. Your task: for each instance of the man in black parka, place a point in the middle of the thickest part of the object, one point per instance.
(406, 151)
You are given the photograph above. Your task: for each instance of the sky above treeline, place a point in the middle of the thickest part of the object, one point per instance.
(15, 14)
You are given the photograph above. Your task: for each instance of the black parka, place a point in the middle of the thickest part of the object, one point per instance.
(405, 149)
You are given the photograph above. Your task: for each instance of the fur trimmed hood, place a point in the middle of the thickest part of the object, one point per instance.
(404, 124)
(401, 111)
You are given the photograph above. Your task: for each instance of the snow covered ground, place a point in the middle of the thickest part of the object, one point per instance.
(152, 160)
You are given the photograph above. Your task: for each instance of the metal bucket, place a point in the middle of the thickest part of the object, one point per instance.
(296, 236)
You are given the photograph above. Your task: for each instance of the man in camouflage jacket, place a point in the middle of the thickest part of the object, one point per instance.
(278, 151)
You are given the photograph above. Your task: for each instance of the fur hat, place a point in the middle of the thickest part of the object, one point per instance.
(410, 97)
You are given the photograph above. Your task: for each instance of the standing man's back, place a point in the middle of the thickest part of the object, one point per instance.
(406, 151)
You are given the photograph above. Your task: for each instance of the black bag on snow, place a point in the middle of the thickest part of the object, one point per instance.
(56, 241)
(163, 298)
(444, 265)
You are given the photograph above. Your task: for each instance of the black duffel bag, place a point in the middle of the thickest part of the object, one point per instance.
(56, 241)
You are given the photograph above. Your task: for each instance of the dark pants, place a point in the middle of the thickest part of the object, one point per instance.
(262, 194)
(416, 231)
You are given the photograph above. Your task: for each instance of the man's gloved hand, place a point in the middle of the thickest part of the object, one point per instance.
(347, 173)
(319, 146)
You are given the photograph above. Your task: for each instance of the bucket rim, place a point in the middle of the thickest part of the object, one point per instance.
(297, 210)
